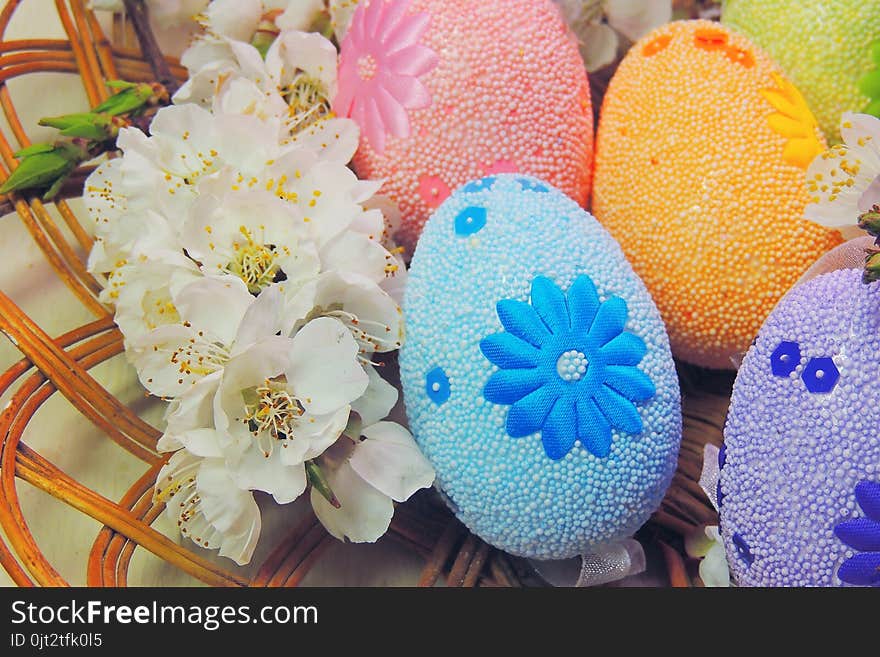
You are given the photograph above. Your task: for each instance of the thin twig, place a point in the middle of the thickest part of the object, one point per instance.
(140, 21)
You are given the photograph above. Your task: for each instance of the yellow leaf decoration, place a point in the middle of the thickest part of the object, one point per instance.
(794, 121)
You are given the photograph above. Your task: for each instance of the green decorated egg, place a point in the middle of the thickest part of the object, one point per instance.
(829, 50)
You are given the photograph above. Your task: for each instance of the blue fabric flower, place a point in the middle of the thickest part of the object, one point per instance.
(862, 535)
(568, 368)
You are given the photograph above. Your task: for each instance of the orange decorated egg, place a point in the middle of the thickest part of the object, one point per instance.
(701, 156)
(446, 91)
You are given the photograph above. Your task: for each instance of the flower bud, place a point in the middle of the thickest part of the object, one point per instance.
(872, 267)
(870, 221)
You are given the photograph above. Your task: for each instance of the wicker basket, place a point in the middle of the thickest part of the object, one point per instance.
(61, 364)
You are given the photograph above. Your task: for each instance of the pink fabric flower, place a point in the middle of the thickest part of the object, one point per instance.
(380, 62)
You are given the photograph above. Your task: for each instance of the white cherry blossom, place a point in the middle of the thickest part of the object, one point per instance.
(367, 476)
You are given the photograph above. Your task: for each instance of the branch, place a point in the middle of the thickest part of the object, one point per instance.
(140, 21)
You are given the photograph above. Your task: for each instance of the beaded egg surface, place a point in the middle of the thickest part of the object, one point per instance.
(700, 159)
(800, 475)
(537, 373)
(445, 91)
(824, 47)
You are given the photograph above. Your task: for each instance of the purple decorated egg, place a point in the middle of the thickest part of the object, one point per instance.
(800, 475)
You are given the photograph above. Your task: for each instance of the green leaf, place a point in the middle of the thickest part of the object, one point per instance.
(875, 51)
(120, 84)
(33, 150)
(319, 483)
(44, 168)
(55, 188)
(127, 100)
(97, 127)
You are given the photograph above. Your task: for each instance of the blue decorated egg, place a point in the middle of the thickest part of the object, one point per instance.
(536, 372)
(800, 475)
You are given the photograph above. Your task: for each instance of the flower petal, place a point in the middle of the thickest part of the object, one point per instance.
(626, 349)
(508, 351)
(593, 429)
(373, 20)
(857, 129)
(354, 36)
(167, 359)
(320, 431)
(343, 103)
(407, 31)
(199, 302)
(364, 514)
(355, 253)
(393, 114)
(527, 415)
(868, 497)
(393, 13)
(262, 319)
(236, 19)
(378, 321)
(408, 91)
(630, 382)
(254, 471)
(862, 569)
(521, 319)
(598, 46)
(619, 410)
(194, 409)
(583, 302)
(714, 570)
(374, 127)
(509, 386)
(229, 510)
(862, 534)
(299, 15)
(378, 399)
(560, 429)
(414, 60)
(871, 196)
(324, 369)
(391, 462)
(549, 302)
(635, 18)
(332, 139)
(225, 515)
(609, 321)
(201, 442)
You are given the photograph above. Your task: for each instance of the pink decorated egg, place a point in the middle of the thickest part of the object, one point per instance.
(446, 91)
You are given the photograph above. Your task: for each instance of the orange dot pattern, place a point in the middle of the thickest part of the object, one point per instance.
(509, 94)
(691, 179)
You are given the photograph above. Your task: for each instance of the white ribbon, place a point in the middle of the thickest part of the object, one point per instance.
(600, 565)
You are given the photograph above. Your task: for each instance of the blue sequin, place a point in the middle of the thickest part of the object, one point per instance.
(567, 368)
(862, 535)
(722, 459)
(437, 386)
(820, 375)
(785, 358)
(479, 185)
(470, 220)
(532, 185)
(743, 549)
